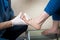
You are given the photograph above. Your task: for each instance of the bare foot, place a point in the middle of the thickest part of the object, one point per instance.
(32, 22)
(51, 31)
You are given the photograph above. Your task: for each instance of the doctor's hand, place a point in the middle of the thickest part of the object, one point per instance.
(18, 21)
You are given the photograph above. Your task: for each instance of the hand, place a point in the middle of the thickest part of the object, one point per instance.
(18, 21)
(25, 18)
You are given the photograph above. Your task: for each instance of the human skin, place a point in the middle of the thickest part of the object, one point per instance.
(36, 22)
(6, 24)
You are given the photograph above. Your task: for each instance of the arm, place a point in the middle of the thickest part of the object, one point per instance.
(16, 21)
(6, 24)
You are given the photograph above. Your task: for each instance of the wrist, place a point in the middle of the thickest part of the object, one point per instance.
(10, 22)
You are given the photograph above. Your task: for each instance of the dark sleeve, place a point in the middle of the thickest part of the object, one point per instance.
(51, 7)
(11, 11)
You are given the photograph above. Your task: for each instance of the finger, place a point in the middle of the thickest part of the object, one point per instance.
(24, 18)
(21, 14)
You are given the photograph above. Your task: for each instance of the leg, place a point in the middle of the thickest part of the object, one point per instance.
(14, 32)
(55, 25)
(53, 29)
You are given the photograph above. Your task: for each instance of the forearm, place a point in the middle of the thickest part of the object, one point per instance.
(6, 24)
